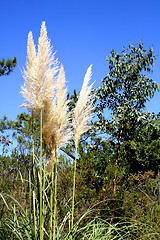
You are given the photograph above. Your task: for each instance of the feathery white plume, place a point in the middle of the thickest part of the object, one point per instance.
(47, 67)
(56, 130)
(84, 107)
(29, 75)
(63, 133)
(40, 73)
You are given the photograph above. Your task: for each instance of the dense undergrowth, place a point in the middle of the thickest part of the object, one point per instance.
(63, 178)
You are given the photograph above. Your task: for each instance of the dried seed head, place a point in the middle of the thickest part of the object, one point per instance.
(31, 55)
(40, 73)
(28, 91)
(56, 129)
(84, 107)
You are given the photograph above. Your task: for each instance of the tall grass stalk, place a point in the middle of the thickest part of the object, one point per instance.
(30, 197)
(40, 180)
(55, 195)
(32, 186)
(56, 132)
(81, 116)
(44, 179)
(51, 201)
(34, 215)
(33, 157)
(74, 185)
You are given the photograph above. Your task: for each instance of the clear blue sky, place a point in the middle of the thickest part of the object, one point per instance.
(82, 32)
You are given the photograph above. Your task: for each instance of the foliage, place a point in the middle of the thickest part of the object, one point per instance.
(141, 198)
(130, 137)
(7, 66)
(124, 91)
(142, 152)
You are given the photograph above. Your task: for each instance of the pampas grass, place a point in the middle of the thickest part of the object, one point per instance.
(29, 75)
(44, 63)
(56, 132)
(84, 107)
(46, 95)
(41, 70)
(56, 129)
(81, 116)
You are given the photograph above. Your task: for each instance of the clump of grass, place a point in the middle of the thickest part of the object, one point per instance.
(19, 224)
(45, 96)
(48, 98)
(39, 76)
(57, 133)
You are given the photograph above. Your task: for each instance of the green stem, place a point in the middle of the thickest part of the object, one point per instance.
(51, 201)
(41, 210)
(55, 195)
(33, 171)
(33, 159)
(34, 214)
(30, 195)
(74, 184)
(44, 176)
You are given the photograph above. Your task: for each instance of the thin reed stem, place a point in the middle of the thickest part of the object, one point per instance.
(34, 214)
(33, 179)
(33, 158)
(55, 194)
(30, 195)
(51, 201)
(41, 168)
(44, 178)
(74, 185)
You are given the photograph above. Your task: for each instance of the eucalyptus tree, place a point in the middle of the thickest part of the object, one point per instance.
(125, 91)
